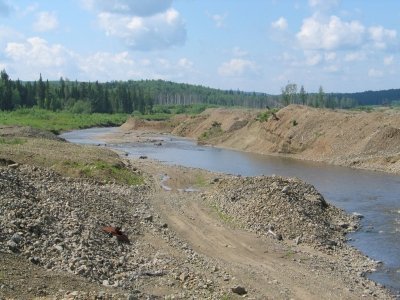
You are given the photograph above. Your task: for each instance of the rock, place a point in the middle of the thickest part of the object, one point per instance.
(34, 259)
(12, 246)
(357, 215)
(58, 247)
(143, 157)
(106, 283)
(285, 189)
(13, 166)
(16, 238)
(184, 276)
(239, 290)
(148, 218)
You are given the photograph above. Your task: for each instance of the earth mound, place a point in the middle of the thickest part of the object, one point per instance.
(287, 208)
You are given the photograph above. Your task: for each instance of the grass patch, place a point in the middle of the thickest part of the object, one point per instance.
(214, 131)
(12, 141)
(200, 181)
(59, 121)
(264, 116)
(105, 171)
(222, 216)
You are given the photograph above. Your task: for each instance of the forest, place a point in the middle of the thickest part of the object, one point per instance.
(141, 96)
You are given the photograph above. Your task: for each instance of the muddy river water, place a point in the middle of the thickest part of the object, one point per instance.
(375, 195)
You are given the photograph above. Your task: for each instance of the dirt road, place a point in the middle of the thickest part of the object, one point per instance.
(267, 268)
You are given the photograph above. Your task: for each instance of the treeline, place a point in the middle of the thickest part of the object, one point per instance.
(118, 96)
(384, 97)
(292, 95)
(141, 96)
(171, 93)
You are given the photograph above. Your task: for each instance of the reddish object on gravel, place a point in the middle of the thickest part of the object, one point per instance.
(116, 231)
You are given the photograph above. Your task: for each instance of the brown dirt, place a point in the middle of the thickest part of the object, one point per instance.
(367, 140)
(214, 252)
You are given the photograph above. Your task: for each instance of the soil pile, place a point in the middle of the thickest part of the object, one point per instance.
(66, 225)
(27, 131)
(368, 140)
(286, 208)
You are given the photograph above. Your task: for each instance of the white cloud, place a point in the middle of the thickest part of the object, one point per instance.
(130, 7)
(108, 66)
(45, 21)
(334, 34)
(280, 24)
(330, 56)
(155, 32)
(313, 59)
(331, 69)
(36, 51)
(375, 73)
(237, 67)
(141, 25)
(355, 56)
(388, 60)
(185, 63)
(35, 55)
(381, 36)
(219, 20)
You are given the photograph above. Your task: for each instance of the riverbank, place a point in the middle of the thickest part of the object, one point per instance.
(363, 140)
(181, 244)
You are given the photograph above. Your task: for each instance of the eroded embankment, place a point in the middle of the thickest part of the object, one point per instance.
(59, 235)
(367, 140)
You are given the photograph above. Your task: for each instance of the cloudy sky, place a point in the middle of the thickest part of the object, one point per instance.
(251, 45)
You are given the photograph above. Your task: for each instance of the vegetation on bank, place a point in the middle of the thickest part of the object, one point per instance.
(59, 121)
(105, 171)
(158, 99)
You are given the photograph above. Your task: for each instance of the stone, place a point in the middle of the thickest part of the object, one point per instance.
(148, 218)
(12, 246)
(184, 276)
(285, 189)
(16, 238)
(239, 290)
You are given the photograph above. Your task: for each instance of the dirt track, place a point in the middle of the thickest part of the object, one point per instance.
(183, 246)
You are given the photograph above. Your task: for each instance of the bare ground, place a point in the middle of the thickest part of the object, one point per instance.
(366, 140)
(202, 251)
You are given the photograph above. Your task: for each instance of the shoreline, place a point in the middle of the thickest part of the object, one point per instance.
(145, 136)
(183, 245)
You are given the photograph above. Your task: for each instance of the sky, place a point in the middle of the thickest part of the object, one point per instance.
(248, 45)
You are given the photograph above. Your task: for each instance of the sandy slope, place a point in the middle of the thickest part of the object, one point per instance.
(355, 139)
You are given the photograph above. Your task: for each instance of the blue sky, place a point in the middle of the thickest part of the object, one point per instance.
(251, 45)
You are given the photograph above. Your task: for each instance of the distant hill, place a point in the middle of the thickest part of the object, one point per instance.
(383, 97)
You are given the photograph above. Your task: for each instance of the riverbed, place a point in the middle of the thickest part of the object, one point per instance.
(374, 195)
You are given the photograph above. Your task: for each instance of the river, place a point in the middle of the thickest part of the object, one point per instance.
(375, 195)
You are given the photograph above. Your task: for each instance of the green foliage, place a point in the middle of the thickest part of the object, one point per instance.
(222, 215)
(364, 108)
(214, 131)
(58, 121)
(12, 141)
(294, 123)
(264, 116)
(105, 171)
(80, 107)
